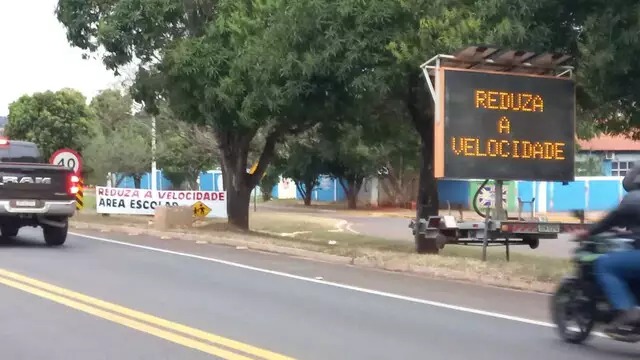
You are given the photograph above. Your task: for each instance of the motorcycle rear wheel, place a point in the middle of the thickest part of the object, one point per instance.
(573, 300)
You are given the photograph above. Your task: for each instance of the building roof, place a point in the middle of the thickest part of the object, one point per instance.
(609, 143)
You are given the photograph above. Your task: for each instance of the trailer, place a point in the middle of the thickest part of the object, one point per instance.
(504, 115)
(493, 230)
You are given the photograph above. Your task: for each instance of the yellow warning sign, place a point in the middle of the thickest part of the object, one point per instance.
(200, 209)
(254, 168)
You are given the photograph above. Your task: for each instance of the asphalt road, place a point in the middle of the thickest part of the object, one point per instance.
(83, 301)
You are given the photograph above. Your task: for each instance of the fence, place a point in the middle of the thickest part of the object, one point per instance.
(595, 193)
(210, 180)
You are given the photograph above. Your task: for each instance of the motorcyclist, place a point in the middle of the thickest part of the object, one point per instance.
(615, 271)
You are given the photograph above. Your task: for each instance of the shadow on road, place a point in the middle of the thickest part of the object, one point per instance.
(21, 242)
(606, 348)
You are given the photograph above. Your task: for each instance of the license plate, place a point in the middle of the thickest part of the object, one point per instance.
(549, 228)
(26, 203)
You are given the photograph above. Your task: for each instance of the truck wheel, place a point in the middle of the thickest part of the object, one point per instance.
(55, 236)
(9, 231)
(426, 245)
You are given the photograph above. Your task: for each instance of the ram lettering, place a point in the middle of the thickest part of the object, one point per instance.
(25, 180)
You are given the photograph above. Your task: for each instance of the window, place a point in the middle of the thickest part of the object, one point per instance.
(620, 168)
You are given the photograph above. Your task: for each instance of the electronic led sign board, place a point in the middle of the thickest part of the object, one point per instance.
(504, 127)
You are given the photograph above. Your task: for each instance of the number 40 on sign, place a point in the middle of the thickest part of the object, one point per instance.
(67, 158)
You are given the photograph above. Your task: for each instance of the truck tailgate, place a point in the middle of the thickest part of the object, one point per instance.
(33, 181)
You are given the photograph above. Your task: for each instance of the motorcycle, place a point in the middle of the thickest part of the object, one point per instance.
(580, 298)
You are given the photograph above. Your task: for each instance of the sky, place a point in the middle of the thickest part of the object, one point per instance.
(35, 55)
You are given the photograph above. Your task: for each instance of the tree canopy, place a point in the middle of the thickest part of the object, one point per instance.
(52, 120)
(112, 108)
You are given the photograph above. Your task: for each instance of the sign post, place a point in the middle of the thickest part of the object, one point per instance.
(255, 193)
(71, 159)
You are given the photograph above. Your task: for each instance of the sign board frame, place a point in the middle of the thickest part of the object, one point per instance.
(127, 201)
(72, 155)
(456, 114)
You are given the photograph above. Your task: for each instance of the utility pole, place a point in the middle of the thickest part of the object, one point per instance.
(154, 184)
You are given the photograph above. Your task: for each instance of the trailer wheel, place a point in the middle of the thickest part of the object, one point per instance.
(533, 242)
(426, 245)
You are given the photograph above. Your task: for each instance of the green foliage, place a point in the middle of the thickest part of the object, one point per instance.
(52, 120)
(112, 109)
(590, 165)
(609, 72)
(268, 182)
(302, 161)
(183, 153)
(351, 158)
(273, 67)
(399, 151)
(125, 150)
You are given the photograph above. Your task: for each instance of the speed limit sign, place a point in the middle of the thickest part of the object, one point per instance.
(67, 158)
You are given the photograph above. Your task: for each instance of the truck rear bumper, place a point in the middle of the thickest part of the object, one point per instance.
(45, 208)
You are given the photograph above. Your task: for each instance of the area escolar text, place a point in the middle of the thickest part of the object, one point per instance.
(134, 203)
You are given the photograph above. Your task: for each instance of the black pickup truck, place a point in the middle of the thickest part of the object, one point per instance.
(34, 193)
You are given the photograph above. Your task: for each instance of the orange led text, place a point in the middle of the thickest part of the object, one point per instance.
(504, 125)
(501, 100)
(517, 149)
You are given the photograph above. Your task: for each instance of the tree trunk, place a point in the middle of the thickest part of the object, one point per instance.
(238, 183)
(137, 180)
(266, 195)
(352, 201)
(427, 204)
(352, 189)
(238, 207)
(119, 179)
(421, 108)
(307, 198)
(308, 186)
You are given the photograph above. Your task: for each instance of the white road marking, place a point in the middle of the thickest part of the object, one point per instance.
(334, 284)
(349, 228)
(343, 225)
(339, 226)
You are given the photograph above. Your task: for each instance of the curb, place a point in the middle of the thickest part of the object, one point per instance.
(219, 240)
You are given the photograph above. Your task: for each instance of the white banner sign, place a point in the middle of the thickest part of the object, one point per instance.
(109, 200)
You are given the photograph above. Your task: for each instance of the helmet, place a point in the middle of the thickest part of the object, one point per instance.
(631, 181)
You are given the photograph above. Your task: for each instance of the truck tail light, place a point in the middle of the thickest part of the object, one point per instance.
(4, 141)
(73, 184)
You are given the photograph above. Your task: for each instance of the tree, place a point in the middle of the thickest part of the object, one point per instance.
(270, 179)
(112, 109)
(398, 148)
(589, 165)
(609, 74)
(184, 153)
(126, 150)
(52, 120)
(242, 69)
(352, 158)
(303, 162)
